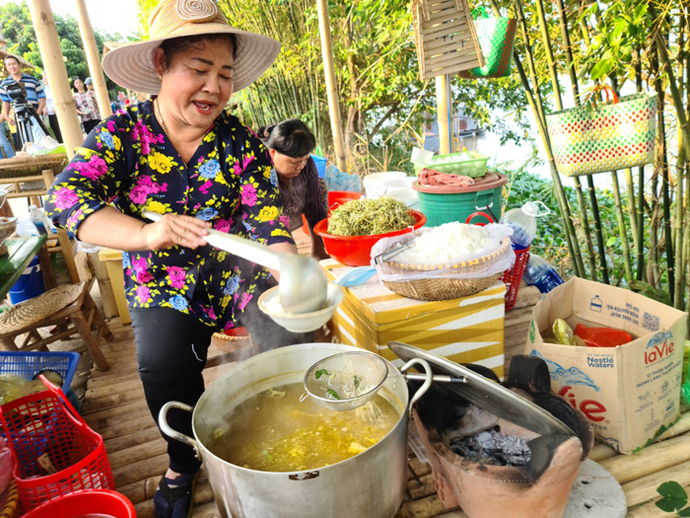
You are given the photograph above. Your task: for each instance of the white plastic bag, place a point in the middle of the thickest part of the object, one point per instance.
(495, 256)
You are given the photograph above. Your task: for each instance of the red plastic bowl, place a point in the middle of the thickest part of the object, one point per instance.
(356, 250)
(337, 198)
(97, 502)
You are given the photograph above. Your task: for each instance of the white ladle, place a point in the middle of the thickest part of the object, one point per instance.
(303, 283)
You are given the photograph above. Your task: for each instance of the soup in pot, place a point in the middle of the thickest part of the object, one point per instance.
(275, 431)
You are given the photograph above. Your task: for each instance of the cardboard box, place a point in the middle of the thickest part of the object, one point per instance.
(465, 330)
(630, 393)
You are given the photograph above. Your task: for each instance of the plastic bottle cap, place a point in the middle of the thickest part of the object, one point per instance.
(531, 209)
(32, 207)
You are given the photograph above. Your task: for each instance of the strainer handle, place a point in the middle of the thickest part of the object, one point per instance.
(427, 382)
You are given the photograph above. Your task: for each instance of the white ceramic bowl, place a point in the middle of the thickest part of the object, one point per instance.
(301, 322)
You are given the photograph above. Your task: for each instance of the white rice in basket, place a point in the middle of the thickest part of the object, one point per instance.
(444, 243)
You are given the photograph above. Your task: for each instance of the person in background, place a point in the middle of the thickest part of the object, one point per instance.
(5, 145)
(35, 95)
(301, 190)
(49, 110)
(184, 157)
(86, 106)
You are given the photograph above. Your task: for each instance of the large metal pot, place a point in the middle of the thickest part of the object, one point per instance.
(371, 484)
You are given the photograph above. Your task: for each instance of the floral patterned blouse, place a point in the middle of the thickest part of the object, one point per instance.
(86, 103)
(129, 162)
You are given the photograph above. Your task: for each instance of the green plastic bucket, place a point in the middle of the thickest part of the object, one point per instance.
(445, 204)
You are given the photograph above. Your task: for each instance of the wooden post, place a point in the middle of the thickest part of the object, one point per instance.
(443, 109)
(331, 85)
(92, 56)
(53, 62)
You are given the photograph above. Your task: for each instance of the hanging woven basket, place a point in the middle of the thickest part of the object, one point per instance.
(445, 37)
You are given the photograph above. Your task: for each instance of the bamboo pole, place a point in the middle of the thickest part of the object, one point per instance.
(640, 268)
(443, 107)
(93, 59)
(571, 237)
(331, 85)
(53, 62)
(621, 227)
(683, 153)
(548, 50)
(563, 23)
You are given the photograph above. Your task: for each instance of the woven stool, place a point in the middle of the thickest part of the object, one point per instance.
(52, 308)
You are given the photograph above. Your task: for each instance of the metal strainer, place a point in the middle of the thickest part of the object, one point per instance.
(348, 380)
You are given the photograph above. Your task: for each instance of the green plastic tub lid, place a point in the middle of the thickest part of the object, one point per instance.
(487, 182)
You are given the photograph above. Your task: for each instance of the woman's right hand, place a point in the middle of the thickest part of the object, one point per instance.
(175, 229)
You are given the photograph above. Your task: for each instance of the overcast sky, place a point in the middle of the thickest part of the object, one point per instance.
(110, 17)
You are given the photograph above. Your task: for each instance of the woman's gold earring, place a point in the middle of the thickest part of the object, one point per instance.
(160, 78)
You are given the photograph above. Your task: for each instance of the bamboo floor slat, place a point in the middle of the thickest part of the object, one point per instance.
(114, 406)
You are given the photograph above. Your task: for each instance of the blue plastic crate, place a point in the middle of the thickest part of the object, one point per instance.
(28, 364)
(320, 163)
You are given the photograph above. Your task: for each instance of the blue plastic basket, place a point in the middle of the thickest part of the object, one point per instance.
(28, 364)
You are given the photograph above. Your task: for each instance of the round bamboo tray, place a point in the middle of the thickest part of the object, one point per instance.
(442, 288)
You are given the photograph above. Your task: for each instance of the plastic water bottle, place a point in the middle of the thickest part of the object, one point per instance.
(40, 220)
(523, 221)
(541, 274)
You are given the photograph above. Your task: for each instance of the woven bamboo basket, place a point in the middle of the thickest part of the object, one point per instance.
(25, 166)
(440, 288)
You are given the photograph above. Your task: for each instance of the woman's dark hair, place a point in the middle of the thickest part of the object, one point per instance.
(74, 80)
(291, 138)
(176, 45)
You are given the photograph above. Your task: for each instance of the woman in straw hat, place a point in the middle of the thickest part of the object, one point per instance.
(182, 156)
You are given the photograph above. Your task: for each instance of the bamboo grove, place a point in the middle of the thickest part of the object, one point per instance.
(562, 50)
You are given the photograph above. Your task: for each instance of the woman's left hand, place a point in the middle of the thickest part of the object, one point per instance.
(175, 230)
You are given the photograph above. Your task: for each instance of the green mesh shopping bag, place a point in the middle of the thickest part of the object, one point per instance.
(600, 137)
(496, 38)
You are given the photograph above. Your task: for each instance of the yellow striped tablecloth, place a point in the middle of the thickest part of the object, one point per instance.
(465, 330)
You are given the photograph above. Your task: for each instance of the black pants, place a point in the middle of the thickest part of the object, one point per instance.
(171, 350)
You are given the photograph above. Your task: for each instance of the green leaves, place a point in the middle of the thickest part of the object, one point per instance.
(321, 372)
(673, 499)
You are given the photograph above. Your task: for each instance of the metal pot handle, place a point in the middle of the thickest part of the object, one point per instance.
(167, 430)
(427, 382)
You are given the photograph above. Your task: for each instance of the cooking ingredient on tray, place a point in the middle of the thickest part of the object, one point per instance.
(370, 217)
(602, 336)
(283, 434)
(445, 243)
